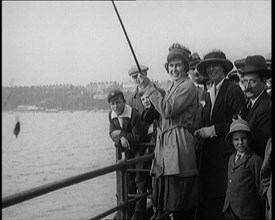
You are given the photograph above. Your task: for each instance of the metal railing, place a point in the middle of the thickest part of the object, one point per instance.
(121, 176)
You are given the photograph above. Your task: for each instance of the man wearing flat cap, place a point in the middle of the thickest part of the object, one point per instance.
(135, 98)
(224, 101)
(258, 112)
(142, 179)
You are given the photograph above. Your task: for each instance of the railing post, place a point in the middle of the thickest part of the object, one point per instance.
(122, 191)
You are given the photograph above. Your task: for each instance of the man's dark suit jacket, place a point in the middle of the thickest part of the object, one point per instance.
(259, 119)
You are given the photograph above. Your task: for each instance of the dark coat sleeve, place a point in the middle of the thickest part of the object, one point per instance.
(113, 127)
(234, 102)
(135, 129)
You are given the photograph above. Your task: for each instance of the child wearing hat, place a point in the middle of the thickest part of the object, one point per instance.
(244, 189)
(125, 130)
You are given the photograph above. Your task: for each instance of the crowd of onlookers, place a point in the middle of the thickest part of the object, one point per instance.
(212, 135)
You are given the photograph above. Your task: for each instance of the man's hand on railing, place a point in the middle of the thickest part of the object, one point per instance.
(125, 143)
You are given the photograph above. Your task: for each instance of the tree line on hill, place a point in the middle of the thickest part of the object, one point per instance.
(62, 97)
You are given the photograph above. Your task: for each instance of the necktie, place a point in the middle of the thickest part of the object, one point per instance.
(249, 105)
(238, 156)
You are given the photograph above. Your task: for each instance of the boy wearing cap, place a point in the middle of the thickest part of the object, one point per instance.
(125, 130)
(244, 189)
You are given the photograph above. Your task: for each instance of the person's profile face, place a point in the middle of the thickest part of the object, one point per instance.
(194, 75)
(117, 105)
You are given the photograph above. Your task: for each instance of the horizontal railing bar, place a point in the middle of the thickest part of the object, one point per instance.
(41, 190)
(140, 159)
(139, 170)
(47, 188)
(135, 195)
(112, 210)
(108, 212)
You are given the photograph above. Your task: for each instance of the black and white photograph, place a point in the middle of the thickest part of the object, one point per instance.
(139, 110)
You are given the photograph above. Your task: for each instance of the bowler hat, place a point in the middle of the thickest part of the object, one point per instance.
(114, 94)
(214, 56)
(238, 125)
(239, 64)
(256, 64)
(194, 60)
(134, 70)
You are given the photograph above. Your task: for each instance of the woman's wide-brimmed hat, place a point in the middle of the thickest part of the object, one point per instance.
(194, 60)
(238, 125)
(215, 56)
(256, 64)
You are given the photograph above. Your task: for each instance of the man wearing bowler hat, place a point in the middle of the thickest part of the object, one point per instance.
(224, 101)
(258, 112)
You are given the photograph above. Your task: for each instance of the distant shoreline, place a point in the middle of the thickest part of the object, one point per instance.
(60, 111)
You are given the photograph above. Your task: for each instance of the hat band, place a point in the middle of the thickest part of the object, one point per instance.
(254, 68)
(240, 127)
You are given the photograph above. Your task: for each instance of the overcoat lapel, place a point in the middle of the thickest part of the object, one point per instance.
(256, 105)
(116, 122)
(219, 99)
(125, 123)
(173, 88)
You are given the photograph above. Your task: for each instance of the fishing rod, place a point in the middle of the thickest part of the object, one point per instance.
(132, 50)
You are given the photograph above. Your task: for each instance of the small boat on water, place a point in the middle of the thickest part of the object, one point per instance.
(51, 110)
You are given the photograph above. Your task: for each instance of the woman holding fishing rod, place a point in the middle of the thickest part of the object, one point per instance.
(174, 165)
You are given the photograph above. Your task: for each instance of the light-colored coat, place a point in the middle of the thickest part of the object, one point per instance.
(174, 152)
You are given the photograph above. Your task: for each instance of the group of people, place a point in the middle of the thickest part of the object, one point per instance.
(212, 137)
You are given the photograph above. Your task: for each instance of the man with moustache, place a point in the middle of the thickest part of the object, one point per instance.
(224, 101)
(258, 112)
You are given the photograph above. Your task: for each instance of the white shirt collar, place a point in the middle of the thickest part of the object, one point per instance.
(125, 114)
(218, 86)
(240, 154)
(254, 100)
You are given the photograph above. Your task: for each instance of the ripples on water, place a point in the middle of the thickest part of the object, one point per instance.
(51, 147)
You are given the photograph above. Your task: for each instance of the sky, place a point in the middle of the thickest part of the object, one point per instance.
(79, 42)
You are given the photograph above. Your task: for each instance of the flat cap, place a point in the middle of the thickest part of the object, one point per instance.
(134, 70)
(113, 94)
